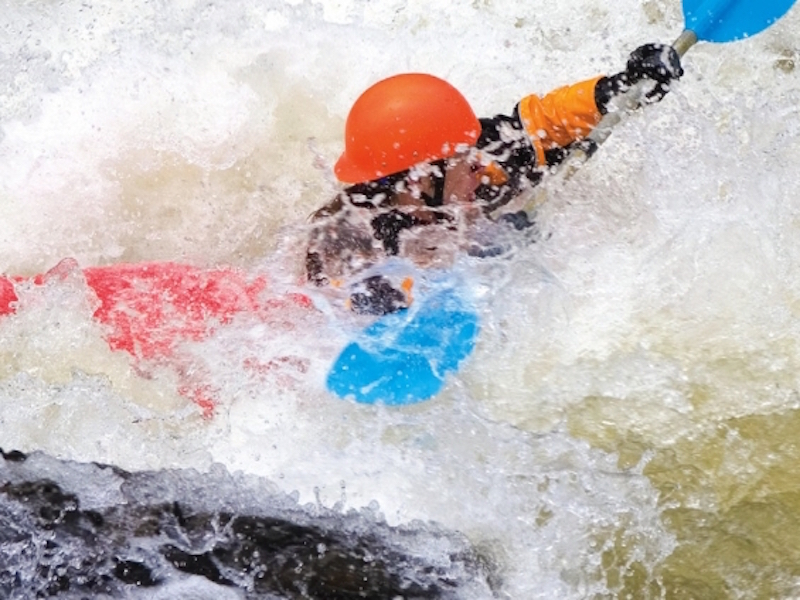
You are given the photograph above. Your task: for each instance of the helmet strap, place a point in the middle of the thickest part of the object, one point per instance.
(438, 176)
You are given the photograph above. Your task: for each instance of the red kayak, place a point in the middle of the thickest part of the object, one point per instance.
(149, 309)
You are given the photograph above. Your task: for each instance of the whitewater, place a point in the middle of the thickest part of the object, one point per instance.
(627, 425)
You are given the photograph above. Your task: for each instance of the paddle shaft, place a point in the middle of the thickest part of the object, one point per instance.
(628, 101)
(707, 20)
(704, 20)
(625, 103)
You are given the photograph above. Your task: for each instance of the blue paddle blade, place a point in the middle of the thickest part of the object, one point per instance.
(730, 20)
(404, 357)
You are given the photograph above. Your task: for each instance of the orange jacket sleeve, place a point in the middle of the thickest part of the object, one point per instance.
(561, 117)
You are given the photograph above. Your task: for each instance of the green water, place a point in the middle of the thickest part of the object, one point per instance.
(731, 497)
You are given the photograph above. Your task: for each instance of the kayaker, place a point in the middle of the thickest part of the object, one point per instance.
(421, 168)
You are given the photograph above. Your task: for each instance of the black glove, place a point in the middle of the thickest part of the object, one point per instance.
(378, 298)
(658, 63)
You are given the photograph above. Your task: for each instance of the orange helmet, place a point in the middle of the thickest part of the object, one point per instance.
(402, 121)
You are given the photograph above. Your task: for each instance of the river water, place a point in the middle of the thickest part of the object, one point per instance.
(628, 424)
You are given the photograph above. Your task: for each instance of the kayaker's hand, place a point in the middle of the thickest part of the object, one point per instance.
(379, 297)
(655, 62)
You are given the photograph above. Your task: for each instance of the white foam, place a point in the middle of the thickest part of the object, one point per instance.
(183, 132)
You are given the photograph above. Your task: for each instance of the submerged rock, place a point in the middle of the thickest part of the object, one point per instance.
(90, 531)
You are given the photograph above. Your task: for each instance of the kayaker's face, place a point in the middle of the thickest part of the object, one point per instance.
(462, 176)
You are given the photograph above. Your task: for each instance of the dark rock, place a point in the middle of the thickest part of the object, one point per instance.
(101, 531)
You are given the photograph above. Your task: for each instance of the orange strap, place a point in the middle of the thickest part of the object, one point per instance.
(564, 115)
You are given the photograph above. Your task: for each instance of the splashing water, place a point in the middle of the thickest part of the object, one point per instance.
(627, 422)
